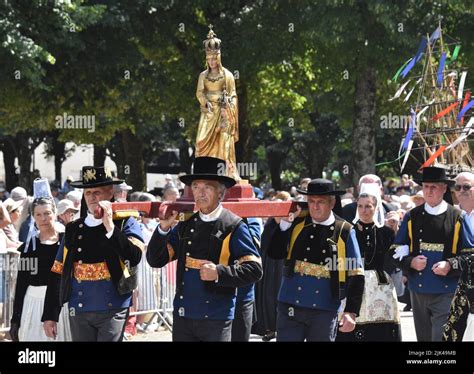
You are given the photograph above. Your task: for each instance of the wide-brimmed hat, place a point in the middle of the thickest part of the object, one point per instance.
(96, 176)
(65, 205)
(321, 187)
(12, 205)
(434, 175)
(208, 168)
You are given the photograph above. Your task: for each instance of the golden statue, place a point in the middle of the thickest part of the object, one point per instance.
(218, 129)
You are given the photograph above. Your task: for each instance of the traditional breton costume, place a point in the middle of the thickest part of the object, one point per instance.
(435, 233)
(36, 260)
(323, 266)
(379, 318)
(245, 312)
(95, 270)
(460, 325)
(204, 310)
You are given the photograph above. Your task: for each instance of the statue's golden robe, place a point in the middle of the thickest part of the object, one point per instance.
(217, 133)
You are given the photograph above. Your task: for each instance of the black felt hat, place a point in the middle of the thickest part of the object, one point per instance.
(434, 175)
(209, 168)
(96, 176)
(321, 187)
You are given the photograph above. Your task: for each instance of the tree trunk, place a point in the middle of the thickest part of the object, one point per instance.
(243, 146)
(275, 158)
(58, 149)
(116, 153)
(133, 150)
(24, 154)
(99, 155)
(363, 130)
(9, 155)
(184, 157)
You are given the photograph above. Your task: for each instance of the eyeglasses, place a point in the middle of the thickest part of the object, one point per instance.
(465, 187)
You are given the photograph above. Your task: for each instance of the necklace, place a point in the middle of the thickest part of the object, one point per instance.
(369, 242)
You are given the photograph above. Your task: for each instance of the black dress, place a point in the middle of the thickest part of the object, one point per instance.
(379, 317)
(266, 290)
(34, 268)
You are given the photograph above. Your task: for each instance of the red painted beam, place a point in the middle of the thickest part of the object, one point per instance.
(244, 208)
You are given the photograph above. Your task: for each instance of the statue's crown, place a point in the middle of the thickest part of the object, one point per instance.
(212, 45)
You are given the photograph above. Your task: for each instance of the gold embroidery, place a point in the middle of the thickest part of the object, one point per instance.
(249, 258)
(137, 243)
(194, 263)
(467, 250)
(91, 272)
(108, 173)
(314, 270)
(354, 272)
(89, 175)
(170, 251)
(432, 247)
(57, 267)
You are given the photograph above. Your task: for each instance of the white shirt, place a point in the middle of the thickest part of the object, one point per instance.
(469, 217)
(214, 215)
(331, 219)
(438, 209)
(91, 221)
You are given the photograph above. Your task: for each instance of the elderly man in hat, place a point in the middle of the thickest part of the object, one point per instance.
(215, 254)
(323, 266)
(428, 239)
(95, 268)
(460, 324)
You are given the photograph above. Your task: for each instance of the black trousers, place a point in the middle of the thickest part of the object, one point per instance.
(105, 326)
(243, 318)
(201, 330)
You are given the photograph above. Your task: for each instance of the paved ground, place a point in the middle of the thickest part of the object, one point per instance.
(408, 331)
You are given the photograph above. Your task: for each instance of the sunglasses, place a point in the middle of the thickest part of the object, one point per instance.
(465, 187)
